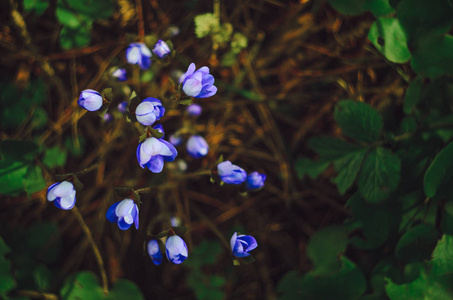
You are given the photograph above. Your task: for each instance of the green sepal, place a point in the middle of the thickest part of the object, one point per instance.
(156, 133)
(180, 230)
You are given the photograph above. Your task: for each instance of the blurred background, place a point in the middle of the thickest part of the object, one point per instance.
(280, 67)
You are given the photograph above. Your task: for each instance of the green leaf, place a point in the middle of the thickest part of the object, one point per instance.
(439, 171)
(380, 175)
(442, 262)
(349, 7)
(83, 285)
(43, 277)
(18, 150)
(374, 220)
(94, 10)
(379, 7)
(186, 101)
(205, 24)
(7, 282)
(346, 283)
(330, 149)
(424, 287)
(203, 254)
(348, 167)
(305, 166)
(417, 244)
(434, 57)
(389, 38)
(75, 37)
(124, 289)
(55, 157)
(38, 6)
(33, 180)
(413, 95)
(44, 240)
(325, 247)
(420, 19)
(358, 120)
(446, 224)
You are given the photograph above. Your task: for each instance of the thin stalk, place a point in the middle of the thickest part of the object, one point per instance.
(97, 253)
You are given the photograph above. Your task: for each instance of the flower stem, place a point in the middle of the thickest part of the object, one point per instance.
(97, 253)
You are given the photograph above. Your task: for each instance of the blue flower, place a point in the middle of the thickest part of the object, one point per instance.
(255, 181)
(120, 74)
(198, 84)
(124, 213)
(194, 110)
(242, 244)
(122, 106)
(149, 111)
(153, 152)
(107, 118)
(139, 54)
(176, 249)
(197, 146)
(176, 140)
(161, 49)
(62, 194)
(230, 173)
(90, 100)
(154, 252)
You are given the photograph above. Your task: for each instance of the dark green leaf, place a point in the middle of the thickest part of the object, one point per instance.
(422, 19)
(75, 37)
(124, 289)
(38, 6)
(379, 7)
(413, 95)
(379, 175)
(43, 277)
(325, 247)
(305, 166)
(358, 120)
(440, 171)
(389, 38)
(18, 150)
(417, 244)
(374, 220)
(330, 149)
(44, 239)
(434, 57)
(442, 262)
(348, 167)
(83, 285)
(33, 180)
(349, 7)
(55, 157)
(94, 10)
(7, 282)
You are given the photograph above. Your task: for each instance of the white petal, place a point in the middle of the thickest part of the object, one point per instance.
(152, 146)
(64, 189)
(124, 208)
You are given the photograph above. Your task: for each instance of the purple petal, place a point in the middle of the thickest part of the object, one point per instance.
(156, 164)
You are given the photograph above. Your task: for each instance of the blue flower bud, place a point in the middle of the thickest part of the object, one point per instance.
(107, 118)
(62, 194)
(230, 173)
(153, 152)
(176, 249)
(161, 49)
(154, 252)
(197, 146)
(122, 106)
(120, 74)
(198, 84)
(255, 181)
(90, 100)
(139, 54)
(194, 110)
(149, 111)
(124, 213)
(176, 140)
(242, 244)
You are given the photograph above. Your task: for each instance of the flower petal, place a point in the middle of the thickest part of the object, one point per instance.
(124, 209)
(156, 164)
(51, 192)
(67, 202)
(111, 215)
(192, 87)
